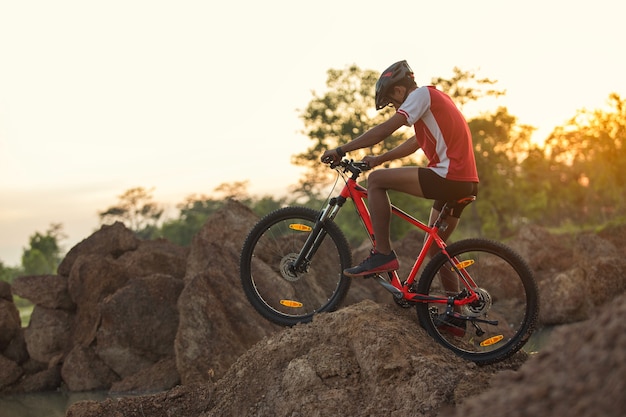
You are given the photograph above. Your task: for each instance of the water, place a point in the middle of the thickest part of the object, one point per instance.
(538, 339)
(44, 404)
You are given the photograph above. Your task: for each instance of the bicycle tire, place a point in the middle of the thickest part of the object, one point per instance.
(508, 293)
(280, 295)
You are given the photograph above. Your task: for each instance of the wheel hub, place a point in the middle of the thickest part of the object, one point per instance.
(479, 307)
(286, 268)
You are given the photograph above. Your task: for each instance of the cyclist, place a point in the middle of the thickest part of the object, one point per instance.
(443, 135)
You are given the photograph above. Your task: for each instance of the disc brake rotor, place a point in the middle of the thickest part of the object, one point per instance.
(479, 307)
(286, 268)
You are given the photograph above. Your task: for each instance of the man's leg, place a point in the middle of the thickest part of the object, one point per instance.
(406, 180)
(382, 259)
(448, 279)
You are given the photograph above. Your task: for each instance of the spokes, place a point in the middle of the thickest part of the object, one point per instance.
(499, 320)
(288, 272)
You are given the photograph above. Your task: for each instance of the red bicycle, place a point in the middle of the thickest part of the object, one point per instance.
(292, 263)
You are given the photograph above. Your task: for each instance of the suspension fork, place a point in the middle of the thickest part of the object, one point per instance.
(317, 235)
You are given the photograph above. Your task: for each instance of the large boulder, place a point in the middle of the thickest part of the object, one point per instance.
(139, 323)
(92, 279)
(581, 372)
(48, 291)
(367, 359)
(48, 334)
(160, 376)
(111, 240)
(83, 370)
(10, 371)
(10, 323)
(217, 323)
(158, 256)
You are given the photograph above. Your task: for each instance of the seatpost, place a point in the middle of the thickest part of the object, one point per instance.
(440, 223)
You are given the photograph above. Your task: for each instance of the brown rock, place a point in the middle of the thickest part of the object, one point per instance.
(83, 370)
(48, 334)
(16, 349)
(160, 376)
(139, 324)
(213, 332)
(589, 247)
(5, 291)
(111, 241)
(44, 290)
(342, 364)
(155, 257)
(605, 279)
(9, 372)
(92, 279)
(45, 380)
(10, 323)
(564, 298)
(543, 251)
(581, 372)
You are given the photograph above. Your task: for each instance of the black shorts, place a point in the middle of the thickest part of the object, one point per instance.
(443, 190)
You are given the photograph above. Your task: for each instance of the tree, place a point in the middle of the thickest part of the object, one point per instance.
(237, 190)
(500, 145)
(347, 110)
(44, 254)
(589, 154)
(464, 87)
(137, 210)
(336, 117)
(194, 212)
(8, 273)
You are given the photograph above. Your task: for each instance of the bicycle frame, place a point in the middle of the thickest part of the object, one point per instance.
(402, 290)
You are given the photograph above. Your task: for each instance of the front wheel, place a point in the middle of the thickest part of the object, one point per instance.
(503, 317)
(280, 290)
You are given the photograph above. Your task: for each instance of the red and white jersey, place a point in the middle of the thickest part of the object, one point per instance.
(442, 133)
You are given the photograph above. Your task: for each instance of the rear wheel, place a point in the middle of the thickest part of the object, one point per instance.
(281, 293)
(500, 322)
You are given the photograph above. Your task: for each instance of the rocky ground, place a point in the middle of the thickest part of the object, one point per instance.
(127, 315)
(372, 360)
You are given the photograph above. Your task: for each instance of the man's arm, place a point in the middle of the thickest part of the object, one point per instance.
(376, 134)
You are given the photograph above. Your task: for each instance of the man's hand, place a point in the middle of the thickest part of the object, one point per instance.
(332, 155)
(372, 161)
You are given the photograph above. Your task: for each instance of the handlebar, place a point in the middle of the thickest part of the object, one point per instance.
(349, 165)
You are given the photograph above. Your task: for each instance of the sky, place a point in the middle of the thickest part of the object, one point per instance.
(97, 97)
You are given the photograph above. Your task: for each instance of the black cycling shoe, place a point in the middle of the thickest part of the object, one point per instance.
(376, 263)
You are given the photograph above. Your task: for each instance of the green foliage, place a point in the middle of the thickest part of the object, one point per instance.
(575, 182)
(8, 274)
(577, 178)
(343, 112)
(44, 253)
(500, 144)
(587, 157)
(196, 209)
(464, 87)
(194, 212)
(346, 110)
(25, 308)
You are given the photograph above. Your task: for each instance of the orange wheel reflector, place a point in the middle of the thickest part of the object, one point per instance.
(491, 341)
(464, 264)
(291, 303)
(300, 227)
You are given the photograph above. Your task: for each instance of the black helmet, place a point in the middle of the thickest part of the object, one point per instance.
(396, 73)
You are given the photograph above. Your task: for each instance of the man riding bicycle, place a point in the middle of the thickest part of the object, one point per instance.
(443, 135)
